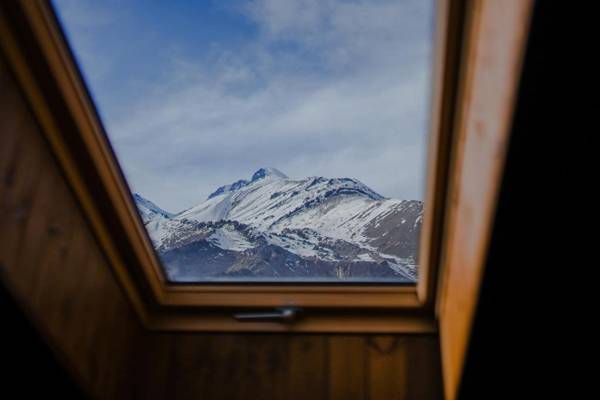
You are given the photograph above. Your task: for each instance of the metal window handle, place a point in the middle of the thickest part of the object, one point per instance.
(281, 314)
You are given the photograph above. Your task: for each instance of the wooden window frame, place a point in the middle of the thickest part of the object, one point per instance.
(496, 35)
(40, 58)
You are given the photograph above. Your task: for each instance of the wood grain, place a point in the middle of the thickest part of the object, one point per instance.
(51, 263)
(424, 380)
(387, 367)
(347, 369)
(270, 366)
(445, 77)
(308, 358)
(496, 35)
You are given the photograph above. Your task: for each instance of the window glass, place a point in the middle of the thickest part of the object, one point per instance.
(266, 140)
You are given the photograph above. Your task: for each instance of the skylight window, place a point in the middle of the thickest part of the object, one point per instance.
(267, 140)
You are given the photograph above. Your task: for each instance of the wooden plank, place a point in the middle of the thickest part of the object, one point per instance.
(60, 280)
(35, 233)
(265, 366)
(446, 62)
(106, 303)
(423, 366)
(155, 367)
(197, 367)
(229, 366)
(63, 231)
(357, 322)
(94, 297)
(387, 367)
(10, 122)
(118, 352)
(186, 366)
(51, 263)
(19, 188)
(21, 172)
(496, 36)
(347, 375)
(307, 367)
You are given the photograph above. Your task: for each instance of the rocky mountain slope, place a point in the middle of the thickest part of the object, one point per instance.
(273, 227)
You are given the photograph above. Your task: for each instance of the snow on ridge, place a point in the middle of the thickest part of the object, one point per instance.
(228, 188)
(338, 207)
(276, 208)
(148, 209)
(228, 238)
(213, 209)
(268, 172)
(261, 173)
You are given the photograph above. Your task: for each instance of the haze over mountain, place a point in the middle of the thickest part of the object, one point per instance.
(274, 227)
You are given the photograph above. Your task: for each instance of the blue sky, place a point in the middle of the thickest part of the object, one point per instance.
(195, 95)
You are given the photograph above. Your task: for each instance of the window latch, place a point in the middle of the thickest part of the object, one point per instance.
(280, 314)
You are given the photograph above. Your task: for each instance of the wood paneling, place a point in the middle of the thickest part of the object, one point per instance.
(308, 366)
(53, 266)
(51, 263)
(346, 367)
(496, 34)
(270, 366)
(387, 363)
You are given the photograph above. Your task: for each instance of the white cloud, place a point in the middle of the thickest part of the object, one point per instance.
(332, 88)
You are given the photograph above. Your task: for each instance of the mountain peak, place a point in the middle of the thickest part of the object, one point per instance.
(268, 172)
(260, 174)
(148, 209)
(229, 188)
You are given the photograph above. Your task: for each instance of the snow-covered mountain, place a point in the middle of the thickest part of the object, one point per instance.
(148, 209)
(272, 226)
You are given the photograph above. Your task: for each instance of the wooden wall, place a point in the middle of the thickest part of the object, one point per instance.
(50, 262)
(52, 265)
(274, 366)
(496, 33)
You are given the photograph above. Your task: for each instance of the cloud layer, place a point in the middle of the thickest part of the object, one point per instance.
(331, 88)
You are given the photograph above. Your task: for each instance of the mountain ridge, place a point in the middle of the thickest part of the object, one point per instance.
(312, 227)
